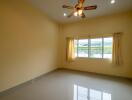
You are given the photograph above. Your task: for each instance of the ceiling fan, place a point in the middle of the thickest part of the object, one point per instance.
(78, 9)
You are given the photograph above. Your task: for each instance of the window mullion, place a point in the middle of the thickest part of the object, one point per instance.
(102, 47)
(77, 47)
(89, 47)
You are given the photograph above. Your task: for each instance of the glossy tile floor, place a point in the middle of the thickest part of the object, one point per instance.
(71, 85)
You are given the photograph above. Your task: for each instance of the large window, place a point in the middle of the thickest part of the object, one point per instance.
(94, 48)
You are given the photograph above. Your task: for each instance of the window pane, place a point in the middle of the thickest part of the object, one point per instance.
(96, 48)
(83, 48)
(75, 48)
(107, 48)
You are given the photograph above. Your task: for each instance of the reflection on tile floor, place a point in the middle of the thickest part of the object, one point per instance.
(83, 93)
(72, 85)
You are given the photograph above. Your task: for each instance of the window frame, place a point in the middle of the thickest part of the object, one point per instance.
(89, 47)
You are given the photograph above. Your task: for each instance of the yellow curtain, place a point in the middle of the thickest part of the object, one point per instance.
(116, 57)
(70, 49)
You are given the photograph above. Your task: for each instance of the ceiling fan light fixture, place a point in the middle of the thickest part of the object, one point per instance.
(80, 12)
(78, 9)
(75, 13)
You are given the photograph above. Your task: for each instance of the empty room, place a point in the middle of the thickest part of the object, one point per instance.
(65, 49)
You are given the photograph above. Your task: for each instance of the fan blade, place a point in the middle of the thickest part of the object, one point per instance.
(71, 14)
(68, 7)
(90, 7)
(83, 15)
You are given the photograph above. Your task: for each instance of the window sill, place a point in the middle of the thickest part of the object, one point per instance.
(77, 58)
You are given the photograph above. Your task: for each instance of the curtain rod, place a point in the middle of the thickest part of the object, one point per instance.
(94, 35)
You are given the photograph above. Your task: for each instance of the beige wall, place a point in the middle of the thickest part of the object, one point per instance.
(28, 43)
(101, 25)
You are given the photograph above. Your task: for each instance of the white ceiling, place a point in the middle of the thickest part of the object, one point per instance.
(53, 8)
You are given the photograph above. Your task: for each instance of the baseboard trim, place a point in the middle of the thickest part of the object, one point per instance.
(100, 74)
